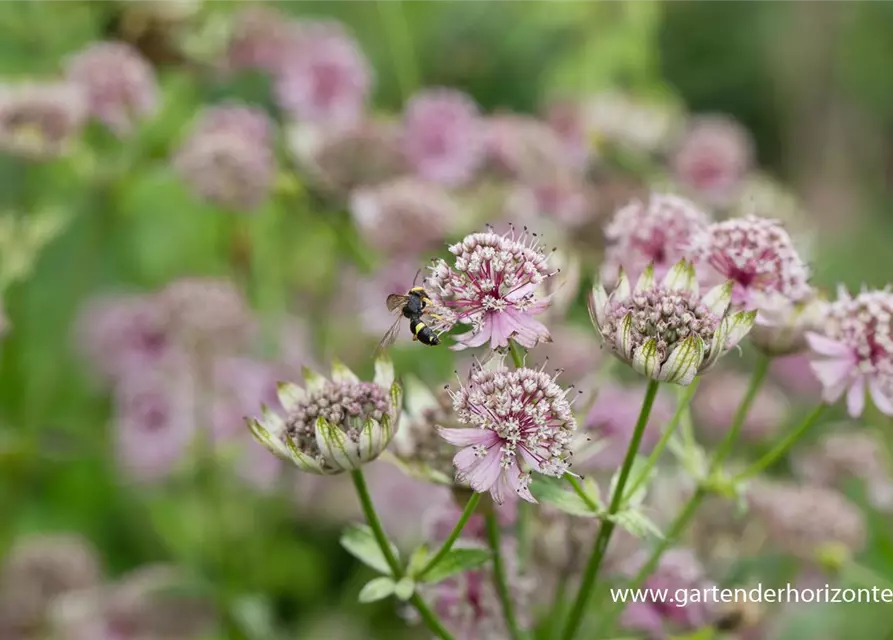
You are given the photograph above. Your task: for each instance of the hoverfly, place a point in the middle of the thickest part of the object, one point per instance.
(410, 305)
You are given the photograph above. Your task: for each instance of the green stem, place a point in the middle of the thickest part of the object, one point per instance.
(782, 447)
(428, 616)
(454, 535)
(557, 608)
(517, 356)
(398, 35)
(756, 381)
(580, 491)
(499, 579)
(681, 408)
(607, 527)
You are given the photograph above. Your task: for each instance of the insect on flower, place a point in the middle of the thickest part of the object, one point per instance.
(411, 305)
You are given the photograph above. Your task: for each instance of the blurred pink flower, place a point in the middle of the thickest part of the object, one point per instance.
(123, 335)
(524, 148)
(155, 422)
(329, 78)
(574, 350)
(678, 569)
(443, 135)
(713, 159)
(524, 423)
(119, 83)
(228, 157)
(441, 517)
(39, 121)
(655, 232)
(262, 38)
(612, 421)
(854, 352)
(715, 404)
(795, 374)
(567, 120)
(492, 286)
(565, 199)
(404, 216)
(757, 255)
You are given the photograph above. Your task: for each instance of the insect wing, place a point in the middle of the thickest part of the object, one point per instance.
(389, 337)
(396, 301)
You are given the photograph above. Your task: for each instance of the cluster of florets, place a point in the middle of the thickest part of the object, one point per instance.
(758, 256)
(228, 158)
(854, 353)
(492, 286)
(524, 423)
(39, 121)
(119, 84)
(656, 232)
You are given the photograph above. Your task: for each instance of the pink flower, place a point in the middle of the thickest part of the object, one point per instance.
(524, 423)
(262, 38)
(566, 199)
(443, 136)
(524, 148)
(492, 286)
(613, 418)
(567, 120)
(654, 232)
(119, 83)
(713, 158)
(854, 352)
(228, 159)
(329, 78)
(758, 256)
(155, 423)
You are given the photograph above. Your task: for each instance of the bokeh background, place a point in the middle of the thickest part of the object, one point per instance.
(255, 239)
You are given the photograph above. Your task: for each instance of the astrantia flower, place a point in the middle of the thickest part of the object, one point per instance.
(262, 38)
(403, 216)
(39, 121)
(119, 83)
(443, 136)
(713, 158)
(334, 425)
(666, 330)
(524, 423)
(678, 569)
(228, 158)
(807, 522)
(38, 569)
(337, 161)
(523, 148)
(855, 453)
(782, 323)
(854, 352)
(492, 286)
(758, 256)
(329, 78)
(654, 232)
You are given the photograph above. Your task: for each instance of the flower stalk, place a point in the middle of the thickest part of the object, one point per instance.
(607, 528)
(756, 381)
(428, 616)
(782, 447)
(499, 579)
(470, 506)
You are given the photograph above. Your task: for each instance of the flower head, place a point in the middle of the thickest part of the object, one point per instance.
(656, 231)
(492, 286)
(403, 216)
(758, 256)
(39, 121)
(334, 425)
(808, 521)
(119, 83)
(228, 158)
(329, 78)
(443, 136)
(854, 351)
(38, 569)
(713, 158)
(262, 38)
(666, 330)
(782, 324)
(524, 423)
(337, 161)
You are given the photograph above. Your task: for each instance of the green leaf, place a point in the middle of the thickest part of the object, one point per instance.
(361, 544)
(404, 589)
(639, 465)
(418, 560)
(377, 589)
(457, 561)
(567, 501)
(637, 523)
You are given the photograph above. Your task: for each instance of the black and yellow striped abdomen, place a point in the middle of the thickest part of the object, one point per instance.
(423, 332)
